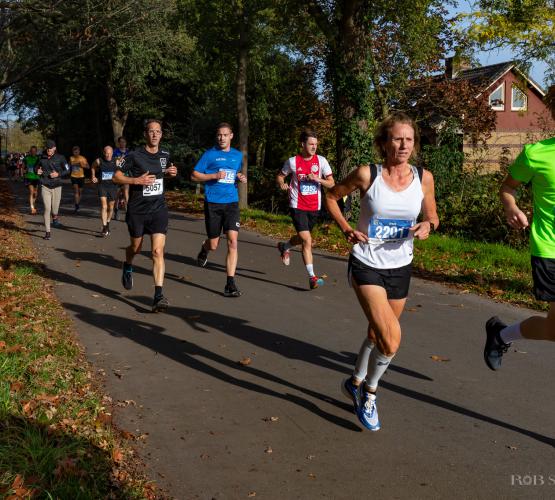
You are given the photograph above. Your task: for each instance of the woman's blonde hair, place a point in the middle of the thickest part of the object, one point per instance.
(384, 128)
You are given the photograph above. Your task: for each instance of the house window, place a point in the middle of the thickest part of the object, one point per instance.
(519, 100)
(496, 98)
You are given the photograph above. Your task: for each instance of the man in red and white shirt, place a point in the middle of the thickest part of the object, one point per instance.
(308, 171)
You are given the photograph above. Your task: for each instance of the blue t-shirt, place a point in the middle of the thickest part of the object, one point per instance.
(212, 161)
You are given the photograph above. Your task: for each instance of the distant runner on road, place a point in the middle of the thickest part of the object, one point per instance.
(308, 172)
(392, 195)
(143, 170)
(220, 168)
(32, 179)
(78, 164)
(51, 167)
(102, 173)
(534, 165)
(123, 195)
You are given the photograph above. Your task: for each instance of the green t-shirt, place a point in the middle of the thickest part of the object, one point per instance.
(30, 162)
(536, 163)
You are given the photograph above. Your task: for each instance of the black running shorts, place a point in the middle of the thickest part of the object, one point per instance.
(543, 274)
(395, 281)
(108, 191)
(304, 220)
(220, 217)
(32, 182)
(80, 181)
(151, 223)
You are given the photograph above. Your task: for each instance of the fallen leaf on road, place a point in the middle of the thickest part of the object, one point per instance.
(439, 358)
(127, 435)
(412, 309)
(268, 450)
(270, 419)
(311, 475)
(95, 295)
(117, 456)
(245, 361)
(252, 494)
(511, 447)
(310, 457)
(117, 373)
(204, 456)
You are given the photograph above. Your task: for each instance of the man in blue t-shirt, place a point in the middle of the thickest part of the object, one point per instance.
(220, 169)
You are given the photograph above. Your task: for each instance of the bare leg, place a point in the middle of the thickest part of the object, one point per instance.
(232, 253)
(158, 269)
(539, 327)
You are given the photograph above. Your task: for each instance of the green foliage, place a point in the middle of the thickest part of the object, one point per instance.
(467, 200)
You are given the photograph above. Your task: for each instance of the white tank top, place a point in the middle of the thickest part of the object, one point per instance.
(386, 216)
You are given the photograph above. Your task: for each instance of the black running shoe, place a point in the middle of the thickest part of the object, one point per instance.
(105, 231)
(495, 347)
(46, 235)
(160, 304)
(231, 290)
(202, 257)
(127, 278)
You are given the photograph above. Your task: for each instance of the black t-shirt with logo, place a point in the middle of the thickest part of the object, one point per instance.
(146, 199)
(56, 163)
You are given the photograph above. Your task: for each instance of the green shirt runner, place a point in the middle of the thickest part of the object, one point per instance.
(536, 163)
(30, 162)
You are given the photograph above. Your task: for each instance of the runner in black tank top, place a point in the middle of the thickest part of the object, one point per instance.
(103, 170)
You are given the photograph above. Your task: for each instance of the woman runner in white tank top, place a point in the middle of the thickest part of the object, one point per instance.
(392, 196)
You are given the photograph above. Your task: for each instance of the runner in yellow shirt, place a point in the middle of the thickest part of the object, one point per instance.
(78, 164)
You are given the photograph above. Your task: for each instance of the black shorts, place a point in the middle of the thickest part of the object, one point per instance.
(304, 220)
(108, 191)
(220, 217)
(152, 223)
(543, 274)
(80, 181)
(395, 281)
(32, 182)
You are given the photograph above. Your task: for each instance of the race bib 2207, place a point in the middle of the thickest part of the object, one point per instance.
(106, 176)
(389, 229)
(229, 176)
(154, 189)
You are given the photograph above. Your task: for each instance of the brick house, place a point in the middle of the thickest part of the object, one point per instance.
(522, 116)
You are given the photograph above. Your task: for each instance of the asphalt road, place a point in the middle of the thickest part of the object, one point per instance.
(450, 429)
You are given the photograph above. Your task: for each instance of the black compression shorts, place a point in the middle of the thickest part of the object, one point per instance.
(108, 191)
(304, 220)
(80, 181)
(151, 223)
(395, 281)
(220, 217)
(543, 274)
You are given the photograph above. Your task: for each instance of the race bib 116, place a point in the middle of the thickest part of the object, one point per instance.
(229, 176)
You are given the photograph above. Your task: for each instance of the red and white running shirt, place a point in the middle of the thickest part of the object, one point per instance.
(305, 194)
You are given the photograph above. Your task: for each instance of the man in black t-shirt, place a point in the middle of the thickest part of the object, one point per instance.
(143, 170)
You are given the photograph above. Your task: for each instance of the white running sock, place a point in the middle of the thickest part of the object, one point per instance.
(310, 269)
(361, 366)
(377, 365)
(510, 333)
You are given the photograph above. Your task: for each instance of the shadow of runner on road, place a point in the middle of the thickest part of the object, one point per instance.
(188, 353)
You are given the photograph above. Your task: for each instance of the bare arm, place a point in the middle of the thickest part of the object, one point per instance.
(422, 229)
(94, 166)
(144, 180)
(357, 179)
(280, 180)
(328, 182)
(515, 217)
(200, 177)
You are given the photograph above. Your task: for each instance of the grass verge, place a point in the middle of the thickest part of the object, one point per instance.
(497, 271)
(56, 434)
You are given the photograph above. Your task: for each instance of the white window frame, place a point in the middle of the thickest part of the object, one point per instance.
(498, 107)
(518, 108)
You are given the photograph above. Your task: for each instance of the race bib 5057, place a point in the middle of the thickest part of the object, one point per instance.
(154, 189)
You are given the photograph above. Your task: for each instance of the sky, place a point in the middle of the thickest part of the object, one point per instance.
(538, 68)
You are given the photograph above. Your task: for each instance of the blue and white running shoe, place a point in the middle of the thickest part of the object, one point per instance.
(352, 392)
(368, 411)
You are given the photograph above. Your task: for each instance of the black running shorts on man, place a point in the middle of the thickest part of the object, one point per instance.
(147, 212)
(543, 274)
(395, 281)
(304, 220)
(220, 217)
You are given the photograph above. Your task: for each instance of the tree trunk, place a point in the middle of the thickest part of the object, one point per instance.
(118, 117)
(242, 109)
